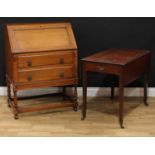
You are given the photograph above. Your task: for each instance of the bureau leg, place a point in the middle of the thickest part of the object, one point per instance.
(75, 104)
(145, 89)
(84, 105)
(15, 103)
(121, 104)
(8, 93)
(112, 88)
(64, 93)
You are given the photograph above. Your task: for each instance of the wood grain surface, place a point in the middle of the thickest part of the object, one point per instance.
(101, 119)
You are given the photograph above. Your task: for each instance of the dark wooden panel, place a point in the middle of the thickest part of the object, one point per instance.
(135, 69)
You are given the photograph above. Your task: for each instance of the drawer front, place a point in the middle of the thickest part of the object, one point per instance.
(106, 68)
(50, 58)
(45, 74)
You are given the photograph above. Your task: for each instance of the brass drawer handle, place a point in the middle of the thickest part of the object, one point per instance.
(29, 63)
(101, 68)
(61, 75)
(61, 61)
(29, 78)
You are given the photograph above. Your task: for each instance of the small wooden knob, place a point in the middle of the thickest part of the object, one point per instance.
(61, 61)
(61, 75)
(29, 78)
(101, 68)
(29, 63)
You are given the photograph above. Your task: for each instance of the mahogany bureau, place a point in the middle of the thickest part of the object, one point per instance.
(40, 55)
(127, 64)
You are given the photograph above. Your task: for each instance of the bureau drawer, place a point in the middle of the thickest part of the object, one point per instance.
(44, 59)
(45, 74)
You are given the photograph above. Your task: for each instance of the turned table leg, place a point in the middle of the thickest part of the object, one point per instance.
(8, 93)
(15, 103)
(145, 89)
(121, 101)
(75, 106)
(84, 106)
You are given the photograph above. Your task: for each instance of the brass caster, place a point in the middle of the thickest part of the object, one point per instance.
(122, 126)
(146, 104)
(83, 118)
(9, 105)
(16, 117)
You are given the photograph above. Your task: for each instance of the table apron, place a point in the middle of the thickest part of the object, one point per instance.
(102, 68)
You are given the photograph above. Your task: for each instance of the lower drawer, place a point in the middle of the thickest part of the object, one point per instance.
(45, 74)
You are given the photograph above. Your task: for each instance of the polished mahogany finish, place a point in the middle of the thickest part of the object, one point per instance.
(40, 55)
(127, 64)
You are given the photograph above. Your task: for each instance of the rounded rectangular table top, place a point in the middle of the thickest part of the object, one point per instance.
(117, 56)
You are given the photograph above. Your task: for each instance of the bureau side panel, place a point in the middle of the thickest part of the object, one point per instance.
(8, 57)
(75, 63)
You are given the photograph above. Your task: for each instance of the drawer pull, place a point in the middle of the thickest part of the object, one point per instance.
(61, 61)
(101, 68)
(61, 75)
(29, 63)
(29, 78)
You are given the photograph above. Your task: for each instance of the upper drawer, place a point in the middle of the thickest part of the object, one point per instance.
(42, 59)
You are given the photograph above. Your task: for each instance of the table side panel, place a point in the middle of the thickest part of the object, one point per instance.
(136, 69)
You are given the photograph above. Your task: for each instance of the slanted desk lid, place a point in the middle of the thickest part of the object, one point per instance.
(40, 37)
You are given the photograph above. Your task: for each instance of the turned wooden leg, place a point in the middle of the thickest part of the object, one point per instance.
(8, 93)
(145, 89)
(15, 103)
(112, 88)
(121, 104)
(64, 93)
(75, 106)
(84, 106)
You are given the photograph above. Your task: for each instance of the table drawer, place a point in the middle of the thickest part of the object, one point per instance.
(45, 74)
(106, 68)
(44, 59)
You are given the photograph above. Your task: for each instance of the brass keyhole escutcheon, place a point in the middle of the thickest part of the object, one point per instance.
(29, 63)
(61, 61)
(61, 75)
(29, 78)
(101, 68)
